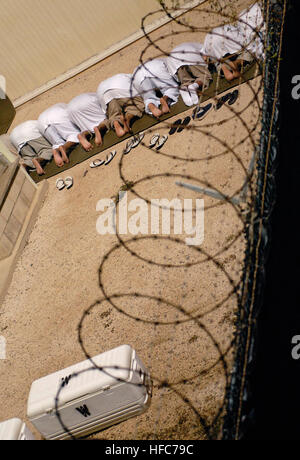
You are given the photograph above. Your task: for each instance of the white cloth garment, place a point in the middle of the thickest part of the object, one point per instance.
(253, 30)
(56, 126)
(117, 87)
(23, 133)
(152, 75)
(85, 111)
(234, 38)
(189, 53)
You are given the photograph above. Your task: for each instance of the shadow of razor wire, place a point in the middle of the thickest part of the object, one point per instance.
(236, 200)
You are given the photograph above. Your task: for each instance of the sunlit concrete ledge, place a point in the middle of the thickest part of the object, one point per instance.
(7, 265)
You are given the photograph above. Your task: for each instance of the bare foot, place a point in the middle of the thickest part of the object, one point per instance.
(120, 131)
(58, 159)
(156, 112)
(40, 170)
(125, 124)
(85, 143)
(128, 119)
(164, 105)
(63, 154)
(38, 167)
(122, 119)
(98, 138)
(127, 128)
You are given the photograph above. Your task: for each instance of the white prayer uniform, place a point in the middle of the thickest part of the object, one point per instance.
(189, 53)
(234, 38)
(253, 29)
(117, 87)
(56, 126)
(85, 111)
(23, 133)
(153, 75)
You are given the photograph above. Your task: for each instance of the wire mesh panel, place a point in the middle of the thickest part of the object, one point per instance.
(239, 412)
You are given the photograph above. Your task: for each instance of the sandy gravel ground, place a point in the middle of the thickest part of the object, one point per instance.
(180, 337)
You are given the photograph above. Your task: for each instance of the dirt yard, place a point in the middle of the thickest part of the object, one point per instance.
(182, 321)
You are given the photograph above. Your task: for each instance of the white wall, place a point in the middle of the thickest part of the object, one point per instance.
(43, 39)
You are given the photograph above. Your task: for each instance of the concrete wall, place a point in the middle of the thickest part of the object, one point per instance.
(15, 201)
(20, 201)
(42, 39)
